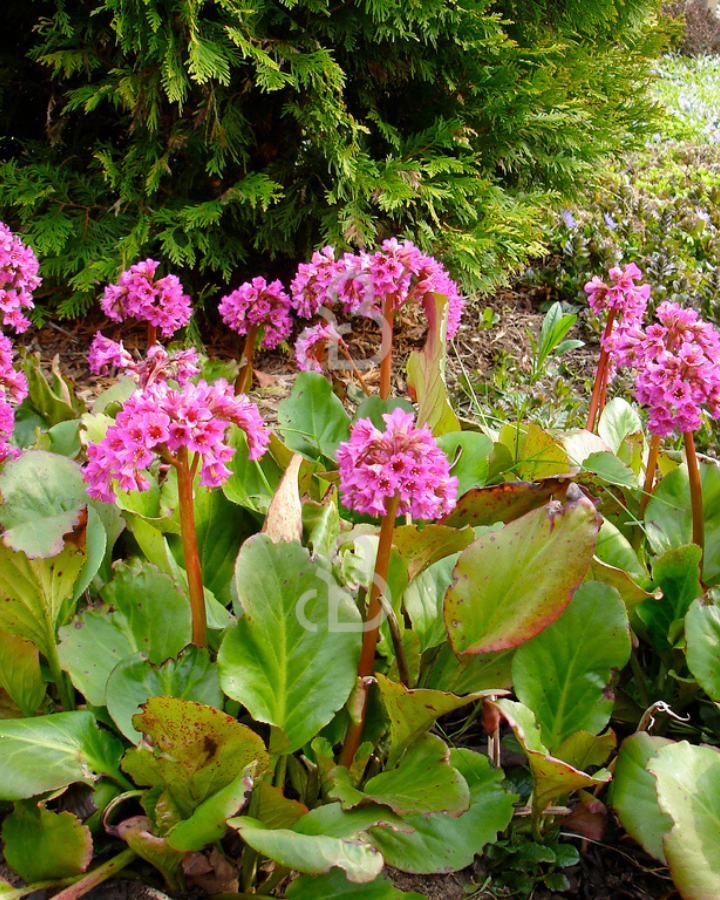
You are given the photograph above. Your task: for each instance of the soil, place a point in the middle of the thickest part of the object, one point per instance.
(605, 871)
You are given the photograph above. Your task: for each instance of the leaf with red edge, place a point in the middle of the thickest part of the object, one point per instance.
(505, 502)
(512, 583)
(421, 547)
(42, 845)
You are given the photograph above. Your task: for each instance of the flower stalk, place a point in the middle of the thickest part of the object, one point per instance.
(373, 617)
(696, 502)
(188, 534)
(244, 379)
(601, 376)
(386, 361)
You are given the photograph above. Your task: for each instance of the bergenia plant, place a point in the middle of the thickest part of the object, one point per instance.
(18, 279)
(625, 303)
(677, 366)
(13, 387)
(183, 425)
(375, 286)
(255, 307)
(161, 302)
(399, 471)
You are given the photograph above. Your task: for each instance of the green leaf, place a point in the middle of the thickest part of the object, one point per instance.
(44, 499)
(42, 845)
(374, 408)
(20, 674)
(136, 832)
(463, 674)
(412, 712)
(292, 658)
(208, 823)
(512, 583)
(668, 516)
(608, 468)
(274, 809)
(552, 778)
(37, 594)
(313, 420)
(191, 749)
(423, 602)
(335, 886)
(311, 854)
(332, 820)
(583, 749)
(253, 481)
(441, 843)
(468, 454)
(677, 572)
(423, 782)
(51, 752)
(688, 790)
(619, 420)
(421, 547)
(563, 672)
(283, 521)
(702, 632)
(426, 372)
(634, 796)
(142, 611)
(135, 679)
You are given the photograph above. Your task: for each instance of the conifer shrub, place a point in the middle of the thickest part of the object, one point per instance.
(228, 139)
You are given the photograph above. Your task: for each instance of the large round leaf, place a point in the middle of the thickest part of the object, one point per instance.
(702, 631)
(313, 420)
(441, 843)
(143, 611)
(562, 673)
(688, 790)
(512, 583)
(40, 844)
(50, 752)
(292, 658)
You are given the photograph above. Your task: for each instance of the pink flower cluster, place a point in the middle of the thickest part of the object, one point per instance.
(138, 294)
(13, 386)
(678, 368)
(162, 420)
(18, 279)
(312, 341)
(361, 282)
(257, 303)
(403, 462)
(157, 367)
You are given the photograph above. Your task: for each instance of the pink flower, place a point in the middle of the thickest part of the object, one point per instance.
(626, 298)
(312, 342)
(677, 362)
(158, 366)
(257, 303)
(13, 387)
(159, 419)
(18, 279)
(310, 287)
(161, 302)
(403, 462)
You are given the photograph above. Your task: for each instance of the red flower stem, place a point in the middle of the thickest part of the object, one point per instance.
(650, 474)
(370, 637)
(244, 379)
(600, 375)
(345, 352)
(152, 335)
(386, 361)
(695, 493)
(190, 549)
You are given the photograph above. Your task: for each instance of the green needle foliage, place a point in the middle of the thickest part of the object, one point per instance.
(231, 139)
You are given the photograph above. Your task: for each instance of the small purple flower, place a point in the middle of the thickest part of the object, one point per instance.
(18, 279)
(403, 462)
(609, 221)
(569, 220)
(138, 294)
(259, 304)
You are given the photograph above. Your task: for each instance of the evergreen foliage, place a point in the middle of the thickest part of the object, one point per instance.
(231, 139)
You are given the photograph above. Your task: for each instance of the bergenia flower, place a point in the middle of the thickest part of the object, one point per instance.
(677, 363)
(259, 304)
(403, 462)
(311, 344)
(13, 386)
(18, 279)
(311, 286)
(161, 420)
(139, 295)
(157, 367)
(624, 297)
